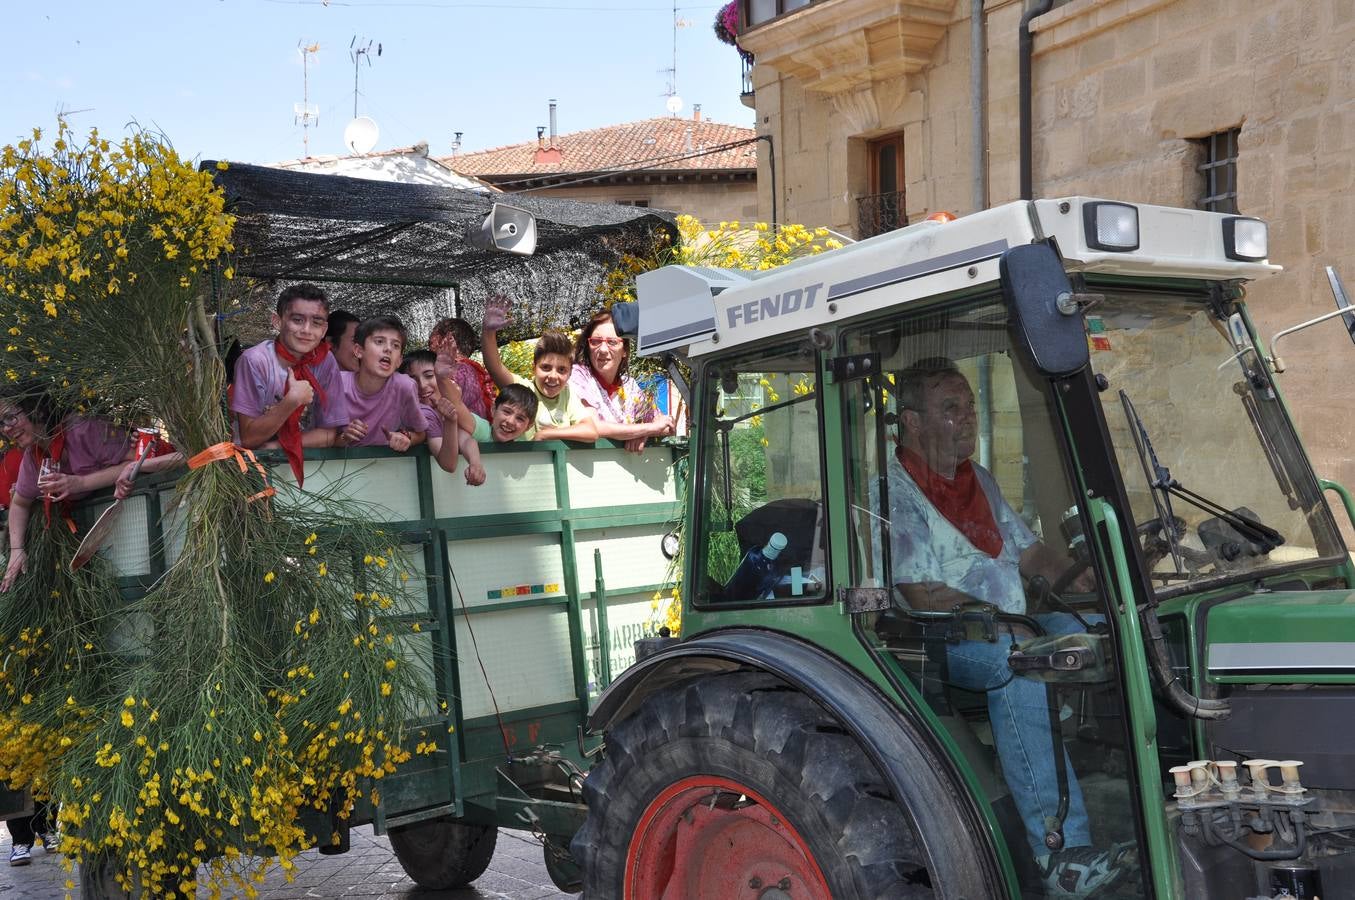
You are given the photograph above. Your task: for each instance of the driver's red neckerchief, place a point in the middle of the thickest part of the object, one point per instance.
(961, 500)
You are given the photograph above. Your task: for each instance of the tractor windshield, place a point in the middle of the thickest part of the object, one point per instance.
(1218, 483)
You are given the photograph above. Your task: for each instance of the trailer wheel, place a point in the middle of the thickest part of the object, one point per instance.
(737, 782)
(441, 854)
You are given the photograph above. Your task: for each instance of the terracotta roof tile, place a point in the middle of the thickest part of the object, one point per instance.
(655, 143)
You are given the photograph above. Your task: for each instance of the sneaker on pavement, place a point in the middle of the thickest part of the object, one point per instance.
(1080, 872)
(21, 854)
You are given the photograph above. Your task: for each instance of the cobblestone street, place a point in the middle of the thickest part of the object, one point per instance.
(369, 869)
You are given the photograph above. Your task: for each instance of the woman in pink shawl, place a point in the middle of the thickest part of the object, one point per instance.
(623, 410)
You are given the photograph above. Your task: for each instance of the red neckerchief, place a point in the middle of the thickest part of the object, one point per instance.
(961, 500)
(289, 435)
(612, 388)
(486, 382)
(54, 451)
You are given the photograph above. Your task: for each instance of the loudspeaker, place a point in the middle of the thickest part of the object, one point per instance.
(506, 228)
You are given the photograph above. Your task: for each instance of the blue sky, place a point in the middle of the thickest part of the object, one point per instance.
(220, 77)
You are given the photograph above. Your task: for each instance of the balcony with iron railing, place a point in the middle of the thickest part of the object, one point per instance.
(746, 93)
(878, 213)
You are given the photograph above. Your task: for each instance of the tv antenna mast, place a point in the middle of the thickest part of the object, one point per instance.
(674, 102)
(359, 54)
(305, 112)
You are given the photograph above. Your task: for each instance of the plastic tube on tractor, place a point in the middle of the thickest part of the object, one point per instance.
(1291, 787)
(1228, 782)
(1259, 770)
(1184, 795)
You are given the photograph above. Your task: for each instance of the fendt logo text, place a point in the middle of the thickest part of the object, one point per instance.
(773, 306)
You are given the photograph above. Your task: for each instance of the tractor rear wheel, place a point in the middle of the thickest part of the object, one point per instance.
(737, 785)
(442, 854)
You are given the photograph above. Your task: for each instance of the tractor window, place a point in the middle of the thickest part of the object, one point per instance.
(762, 501)
(965, 529)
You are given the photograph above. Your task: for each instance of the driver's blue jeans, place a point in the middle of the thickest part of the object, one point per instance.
(1018, 710)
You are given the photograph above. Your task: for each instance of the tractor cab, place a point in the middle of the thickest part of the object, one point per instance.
(1027, 476)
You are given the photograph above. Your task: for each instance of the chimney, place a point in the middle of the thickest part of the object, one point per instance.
(687, 140)
(456, 143)
(696, 112)
(547, 155)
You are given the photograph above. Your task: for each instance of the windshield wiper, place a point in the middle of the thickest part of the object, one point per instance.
(1157, 477)
(1164, 485)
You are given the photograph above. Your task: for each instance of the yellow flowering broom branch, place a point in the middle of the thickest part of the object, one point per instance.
(262, 676)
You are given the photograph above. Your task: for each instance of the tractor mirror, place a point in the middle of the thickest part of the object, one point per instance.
(1046, 316)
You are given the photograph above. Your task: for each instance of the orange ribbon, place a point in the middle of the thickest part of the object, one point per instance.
(227, 450)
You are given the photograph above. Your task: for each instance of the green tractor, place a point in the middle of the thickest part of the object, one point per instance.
(1006, 575)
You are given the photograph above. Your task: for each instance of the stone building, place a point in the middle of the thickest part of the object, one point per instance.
(1248, 105)
(687, 165)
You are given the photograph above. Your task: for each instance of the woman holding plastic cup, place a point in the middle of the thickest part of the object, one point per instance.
(65, 458)
(623, 410)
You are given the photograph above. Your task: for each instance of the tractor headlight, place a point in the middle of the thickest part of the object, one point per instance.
(1246, 239)
(1111, 226)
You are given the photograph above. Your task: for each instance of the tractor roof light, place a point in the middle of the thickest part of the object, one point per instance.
(1246, 239)
(1111, 226)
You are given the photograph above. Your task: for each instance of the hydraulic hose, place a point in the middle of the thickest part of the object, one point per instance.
(1172, 688)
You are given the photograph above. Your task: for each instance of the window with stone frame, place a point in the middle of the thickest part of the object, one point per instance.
(1217, 171)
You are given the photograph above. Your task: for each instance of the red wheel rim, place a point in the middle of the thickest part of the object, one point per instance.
(710, 837)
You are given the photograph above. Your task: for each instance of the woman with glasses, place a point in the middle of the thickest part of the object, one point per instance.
(623, 410)
(65, 458)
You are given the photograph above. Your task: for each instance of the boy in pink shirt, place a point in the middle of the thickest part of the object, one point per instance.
(383, 405)
(288, 389)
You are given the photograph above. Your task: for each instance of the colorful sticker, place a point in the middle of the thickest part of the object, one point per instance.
(522, 590)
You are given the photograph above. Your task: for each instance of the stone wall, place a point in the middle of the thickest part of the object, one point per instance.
(1121, 87)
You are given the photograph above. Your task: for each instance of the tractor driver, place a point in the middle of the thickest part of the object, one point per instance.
(955, 539)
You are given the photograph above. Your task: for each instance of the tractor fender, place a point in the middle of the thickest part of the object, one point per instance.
(945, 816)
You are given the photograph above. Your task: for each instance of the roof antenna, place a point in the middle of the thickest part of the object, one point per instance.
(305, 112)
(358, 54)
(674, 103)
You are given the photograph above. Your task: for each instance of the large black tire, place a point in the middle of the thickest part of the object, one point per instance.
(442, 854)
(98, 881)
(754, 730)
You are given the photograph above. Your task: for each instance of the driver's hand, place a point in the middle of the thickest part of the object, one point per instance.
(1084, 583)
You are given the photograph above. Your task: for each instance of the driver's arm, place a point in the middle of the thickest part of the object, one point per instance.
(1041, 559)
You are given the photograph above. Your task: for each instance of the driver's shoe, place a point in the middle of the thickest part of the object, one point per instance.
(1080, 872)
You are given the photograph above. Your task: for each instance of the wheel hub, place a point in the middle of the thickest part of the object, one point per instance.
(705, 834)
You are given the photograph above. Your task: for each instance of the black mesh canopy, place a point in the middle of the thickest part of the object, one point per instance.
(388, 247)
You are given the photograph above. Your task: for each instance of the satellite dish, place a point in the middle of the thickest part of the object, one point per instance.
(674, 104)
(360, 135)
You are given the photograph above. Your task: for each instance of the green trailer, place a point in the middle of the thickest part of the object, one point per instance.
(528, 593)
